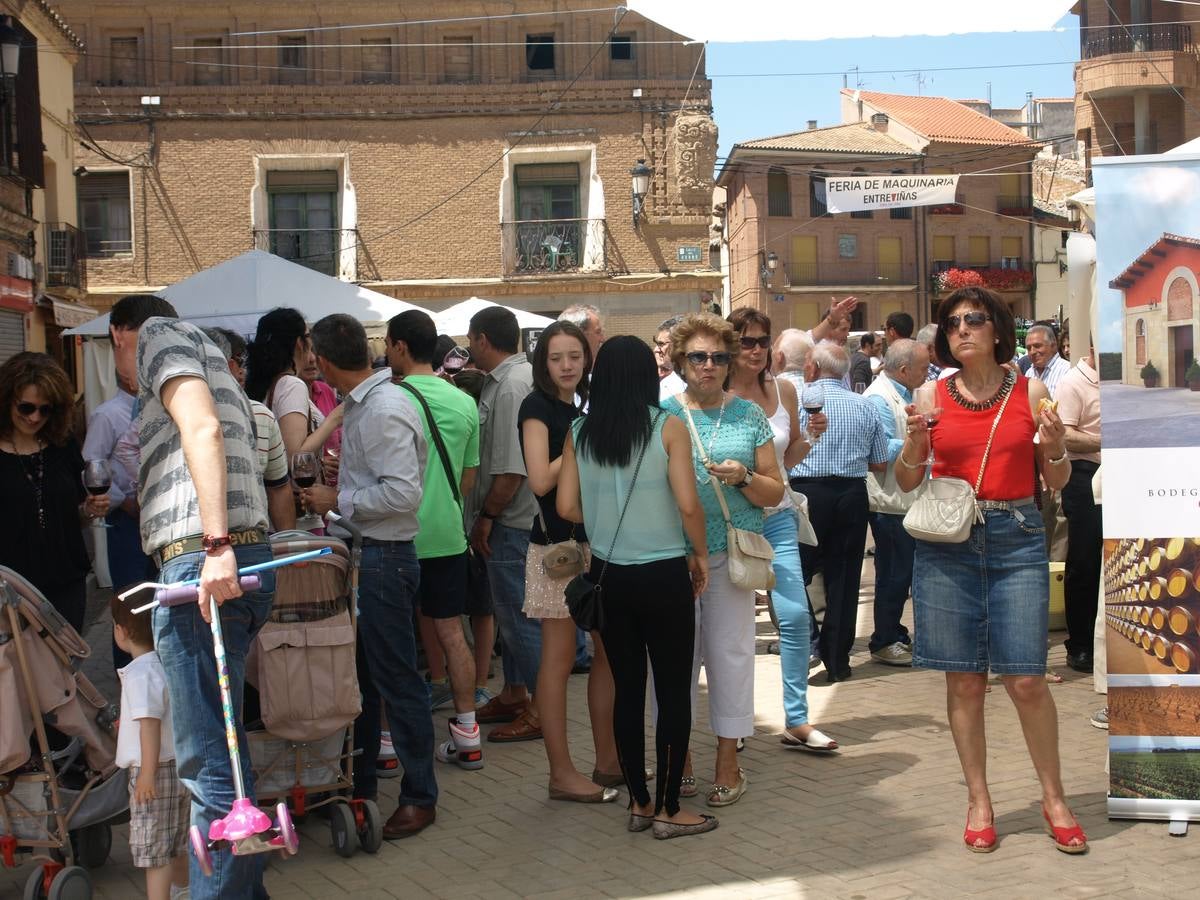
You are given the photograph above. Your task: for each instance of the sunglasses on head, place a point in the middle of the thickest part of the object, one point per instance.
(28, 409)
(972, 320)
(698, 358)
(240, 359)
(762, 341)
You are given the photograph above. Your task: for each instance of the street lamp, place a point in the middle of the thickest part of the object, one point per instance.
(641, 186)
(10, 48)
(769, 265)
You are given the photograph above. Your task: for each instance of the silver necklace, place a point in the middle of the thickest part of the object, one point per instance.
(713, 437)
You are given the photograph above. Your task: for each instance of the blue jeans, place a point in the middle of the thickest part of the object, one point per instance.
(520, 636)
(790, 601)
(388, 676)
(185, 646)
(894, 550)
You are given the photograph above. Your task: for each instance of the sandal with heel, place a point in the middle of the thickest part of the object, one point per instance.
(1063, 837)
(987, 834)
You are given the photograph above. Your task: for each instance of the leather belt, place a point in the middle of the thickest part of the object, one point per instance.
(1004, 504)
(195, 543)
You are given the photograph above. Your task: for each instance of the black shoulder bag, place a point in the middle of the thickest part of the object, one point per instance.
(583, 597)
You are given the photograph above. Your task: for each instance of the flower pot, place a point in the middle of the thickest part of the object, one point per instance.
(1194, 385)
(1151, 382)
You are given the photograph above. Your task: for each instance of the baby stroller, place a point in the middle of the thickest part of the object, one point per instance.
(55, 805)
(303, 665)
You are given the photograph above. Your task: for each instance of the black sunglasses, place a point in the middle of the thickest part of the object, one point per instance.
(749, 343)
(698, 358)
(973, 320)
(28, 409)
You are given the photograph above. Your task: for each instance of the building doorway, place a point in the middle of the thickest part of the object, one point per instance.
(1182, 353)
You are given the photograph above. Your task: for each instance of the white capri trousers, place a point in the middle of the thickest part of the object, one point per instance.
(725, 646)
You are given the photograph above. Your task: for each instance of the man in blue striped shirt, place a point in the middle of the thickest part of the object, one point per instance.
(832, 478)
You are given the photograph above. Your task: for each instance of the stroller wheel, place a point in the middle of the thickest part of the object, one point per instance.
(34, 884)
(342, 829)
(200, 849)
(371, 836)
(72, 883)
(287, 830)
(92, 845)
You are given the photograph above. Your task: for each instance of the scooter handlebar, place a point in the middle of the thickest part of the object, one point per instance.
(177, 596)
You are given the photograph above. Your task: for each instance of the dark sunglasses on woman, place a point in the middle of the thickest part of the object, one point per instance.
(973, 320)
(28, 409)
(698, 358)
(762, 341)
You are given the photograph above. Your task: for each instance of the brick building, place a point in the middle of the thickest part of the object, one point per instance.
(485, 149)
(1161, 309)
(889, 259)
(1137, 82)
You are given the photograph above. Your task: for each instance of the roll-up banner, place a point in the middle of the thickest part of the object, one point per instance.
(859, 193)
(1148, 260)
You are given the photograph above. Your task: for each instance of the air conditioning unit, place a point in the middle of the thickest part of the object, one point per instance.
(20, 266)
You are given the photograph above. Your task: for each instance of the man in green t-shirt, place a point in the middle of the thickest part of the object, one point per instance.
(441, 543)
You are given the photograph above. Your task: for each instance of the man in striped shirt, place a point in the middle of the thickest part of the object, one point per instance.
(832, 477)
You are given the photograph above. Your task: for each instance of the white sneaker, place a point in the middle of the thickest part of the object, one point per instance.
(463, 748)
(896, 654)
(180, 892)
(386, 750)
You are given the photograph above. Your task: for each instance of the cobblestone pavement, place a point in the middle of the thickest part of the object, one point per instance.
(883, 819)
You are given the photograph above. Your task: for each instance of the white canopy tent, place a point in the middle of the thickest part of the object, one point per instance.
(235, 294)
(455, 319)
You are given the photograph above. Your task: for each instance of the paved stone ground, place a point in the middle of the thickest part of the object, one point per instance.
(881, 820)
(1136, 416)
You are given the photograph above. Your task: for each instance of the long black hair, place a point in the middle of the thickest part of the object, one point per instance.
(624, 385)
(273, 350)
(541, 360)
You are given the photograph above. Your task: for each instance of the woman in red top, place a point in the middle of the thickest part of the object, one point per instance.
(982, 605)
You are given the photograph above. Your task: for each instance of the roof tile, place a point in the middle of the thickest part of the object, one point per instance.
(857, 137)
(942, 119)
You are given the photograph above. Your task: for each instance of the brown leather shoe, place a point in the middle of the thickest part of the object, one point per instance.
(496, 710)
(525, 728)
(407, 820)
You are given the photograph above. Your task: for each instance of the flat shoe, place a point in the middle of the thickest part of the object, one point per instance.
(603, 795)
(639, 823)
(724, 795)
(687, 786)
(664, 831)
(614, 779)
(817, 742)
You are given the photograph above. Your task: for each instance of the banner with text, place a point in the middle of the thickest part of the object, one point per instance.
(861, 193)
(1147, 254)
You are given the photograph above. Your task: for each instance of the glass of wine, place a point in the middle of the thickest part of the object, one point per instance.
(813, 401)
(304, 474)
(927, 408)
(97, 480)
(860, 387)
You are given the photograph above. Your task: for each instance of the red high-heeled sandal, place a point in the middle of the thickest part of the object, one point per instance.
(1064, 836)
(987, 835)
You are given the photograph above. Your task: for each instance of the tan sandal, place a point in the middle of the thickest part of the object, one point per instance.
(724, 795)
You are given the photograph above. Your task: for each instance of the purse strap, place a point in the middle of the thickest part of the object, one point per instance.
(988, 449)
(436, 434)
(704, 459)
(628, 496)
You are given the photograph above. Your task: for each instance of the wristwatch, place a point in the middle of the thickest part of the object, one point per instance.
(745, 482)
(212, 543)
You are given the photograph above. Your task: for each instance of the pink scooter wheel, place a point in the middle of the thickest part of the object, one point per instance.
(200, 849)
(287, 830)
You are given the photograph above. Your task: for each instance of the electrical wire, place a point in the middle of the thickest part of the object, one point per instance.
(486, 18)
(1153, 65)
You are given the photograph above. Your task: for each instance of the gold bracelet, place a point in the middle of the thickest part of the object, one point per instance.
(1058, 462)
(904, 462)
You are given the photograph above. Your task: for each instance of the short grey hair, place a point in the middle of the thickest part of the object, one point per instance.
(795, 348)
(222, 342)
(1046, 331)
(927, 334)
(831, 359)
(668, 324)
(899, 354)
(580, 315)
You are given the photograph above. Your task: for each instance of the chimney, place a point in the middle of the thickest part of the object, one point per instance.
(812, 124)
(879, 121)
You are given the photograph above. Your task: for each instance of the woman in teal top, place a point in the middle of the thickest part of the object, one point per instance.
(737, 450)
(649, 584)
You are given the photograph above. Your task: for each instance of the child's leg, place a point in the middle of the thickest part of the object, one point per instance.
(158, 881)
(179, 870)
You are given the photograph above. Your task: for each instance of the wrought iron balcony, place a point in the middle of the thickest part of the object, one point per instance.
(65, 254)
(1136, 39)
(849, 273)
(555, 246)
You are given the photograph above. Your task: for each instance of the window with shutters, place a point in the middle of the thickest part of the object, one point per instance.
(978, 252)
(862, 213)
(1010, 253)
(125, 60)
(293, 60)
(1139, 342)
(943, 252)
(375, 61)
(458, 60)
(105, 213)
(816, 196)
(779, 193)
(303, 217)
(21, 150)
(207, 60)
(901, 212)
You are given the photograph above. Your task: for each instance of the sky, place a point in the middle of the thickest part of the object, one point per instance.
(748, 108)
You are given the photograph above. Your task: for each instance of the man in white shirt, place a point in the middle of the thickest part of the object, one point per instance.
(1048, 367)
(669, 382)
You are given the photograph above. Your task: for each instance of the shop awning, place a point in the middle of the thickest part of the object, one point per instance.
(67, 314)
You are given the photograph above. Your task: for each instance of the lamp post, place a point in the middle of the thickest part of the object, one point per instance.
(10, 48)
(770, 264)
(10, 60)
(640, 174)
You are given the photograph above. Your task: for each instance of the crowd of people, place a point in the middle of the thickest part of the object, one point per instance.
(486, 480)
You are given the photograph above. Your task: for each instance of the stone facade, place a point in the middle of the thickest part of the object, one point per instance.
(423, 131)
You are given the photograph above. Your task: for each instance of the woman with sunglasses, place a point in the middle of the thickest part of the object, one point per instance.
(41, 479)
(982, 604)
(738, 451)
(749, 378)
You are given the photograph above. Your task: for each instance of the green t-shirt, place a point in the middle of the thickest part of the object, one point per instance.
(457, 419)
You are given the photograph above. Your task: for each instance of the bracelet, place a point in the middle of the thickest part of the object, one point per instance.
(904, 462)
(1058, 462)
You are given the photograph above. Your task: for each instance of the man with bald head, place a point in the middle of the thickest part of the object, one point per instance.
(904, 370)
(832, 477)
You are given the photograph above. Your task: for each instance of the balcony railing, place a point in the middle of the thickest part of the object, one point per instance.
(331, 251)
(850, 273)
(1009, 274)
(1137, 39)
(555, 246)
(1015, 205)
(947, 209)
(65, 255)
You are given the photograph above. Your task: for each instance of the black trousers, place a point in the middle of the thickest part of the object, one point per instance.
(838, 509)
(1084, 541)
(649, 608)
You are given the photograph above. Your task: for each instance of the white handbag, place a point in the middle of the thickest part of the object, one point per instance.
(749, 554)
(946, 508)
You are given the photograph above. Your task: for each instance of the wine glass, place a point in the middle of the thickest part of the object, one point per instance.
(97, 480)
(927, 408)
(813, 400)
(304, 474)
(860, 387)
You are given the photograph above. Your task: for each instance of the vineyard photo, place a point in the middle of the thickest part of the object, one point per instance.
(1170, 709)
(1159, 774)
